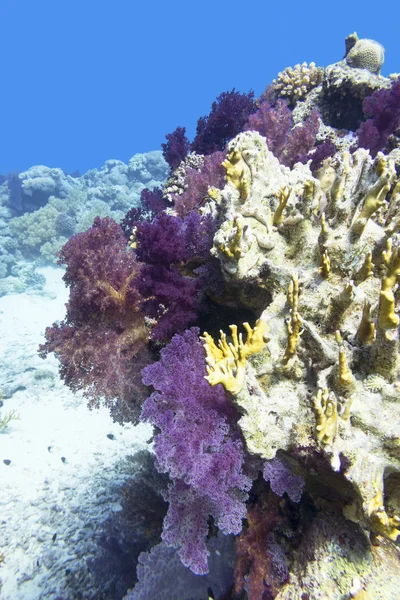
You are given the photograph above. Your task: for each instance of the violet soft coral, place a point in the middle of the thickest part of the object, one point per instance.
(152, 202)
(383, 106)
(198, 445)
(172, 249)
(197, 183)
(160, 242)
(229, 112)
(282, 479)
(176, 148)
(101, 345)
(290, 144)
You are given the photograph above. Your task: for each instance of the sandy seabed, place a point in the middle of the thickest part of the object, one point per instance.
(64, 472)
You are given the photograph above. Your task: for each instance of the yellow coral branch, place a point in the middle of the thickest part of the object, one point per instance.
(375, 196)
(388, 526)
(237, 173)
(366, 270)
(366, 329)
(325, 409)
(325, 265)
(345, 376)
(283, 197)
(233, 249)
(226, 363)
(387, 318)
(294, 323)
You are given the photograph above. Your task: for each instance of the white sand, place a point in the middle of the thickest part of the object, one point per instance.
(40, 495)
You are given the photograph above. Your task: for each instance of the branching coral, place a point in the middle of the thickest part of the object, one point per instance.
(294, 83)
(226, 363)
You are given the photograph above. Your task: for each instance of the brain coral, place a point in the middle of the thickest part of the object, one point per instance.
(306, 255)
(366, 54)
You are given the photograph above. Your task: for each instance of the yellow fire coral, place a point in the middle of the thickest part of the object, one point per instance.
(226, 362)
(237, 173)
(387, 318)
(325, 409)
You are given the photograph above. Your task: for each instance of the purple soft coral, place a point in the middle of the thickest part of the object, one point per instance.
(170, 247)
(384, 108)
(197, 183)
(282, 479)
(198, 445)
(229, 113)
(289, 143)
(176, 148)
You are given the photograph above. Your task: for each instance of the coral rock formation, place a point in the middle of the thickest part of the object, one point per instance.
(312, 261)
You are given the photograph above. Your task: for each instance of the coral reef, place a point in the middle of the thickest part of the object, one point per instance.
(287, 437)
(42, 207)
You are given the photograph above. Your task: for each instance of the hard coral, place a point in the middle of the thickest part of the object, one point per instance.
(364, 54)
(325, 236)
(294, 83)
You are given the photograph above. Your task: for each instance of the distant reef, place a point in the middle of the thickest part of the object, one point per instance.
(41, 208)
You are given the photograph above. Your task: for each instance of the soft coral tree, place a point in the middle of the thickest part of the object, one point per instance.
(261, 567)
(101, 344)
(198, 445)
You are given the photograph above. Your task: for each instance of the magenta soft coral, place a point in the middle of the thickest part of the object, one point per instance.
(102, 344)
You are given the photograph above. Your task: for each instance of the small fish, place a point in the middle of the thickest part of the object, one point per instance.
(7, 461)
(111, 436)
(49, 448)
(210, 594)
(54, 537)
(64, 459)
